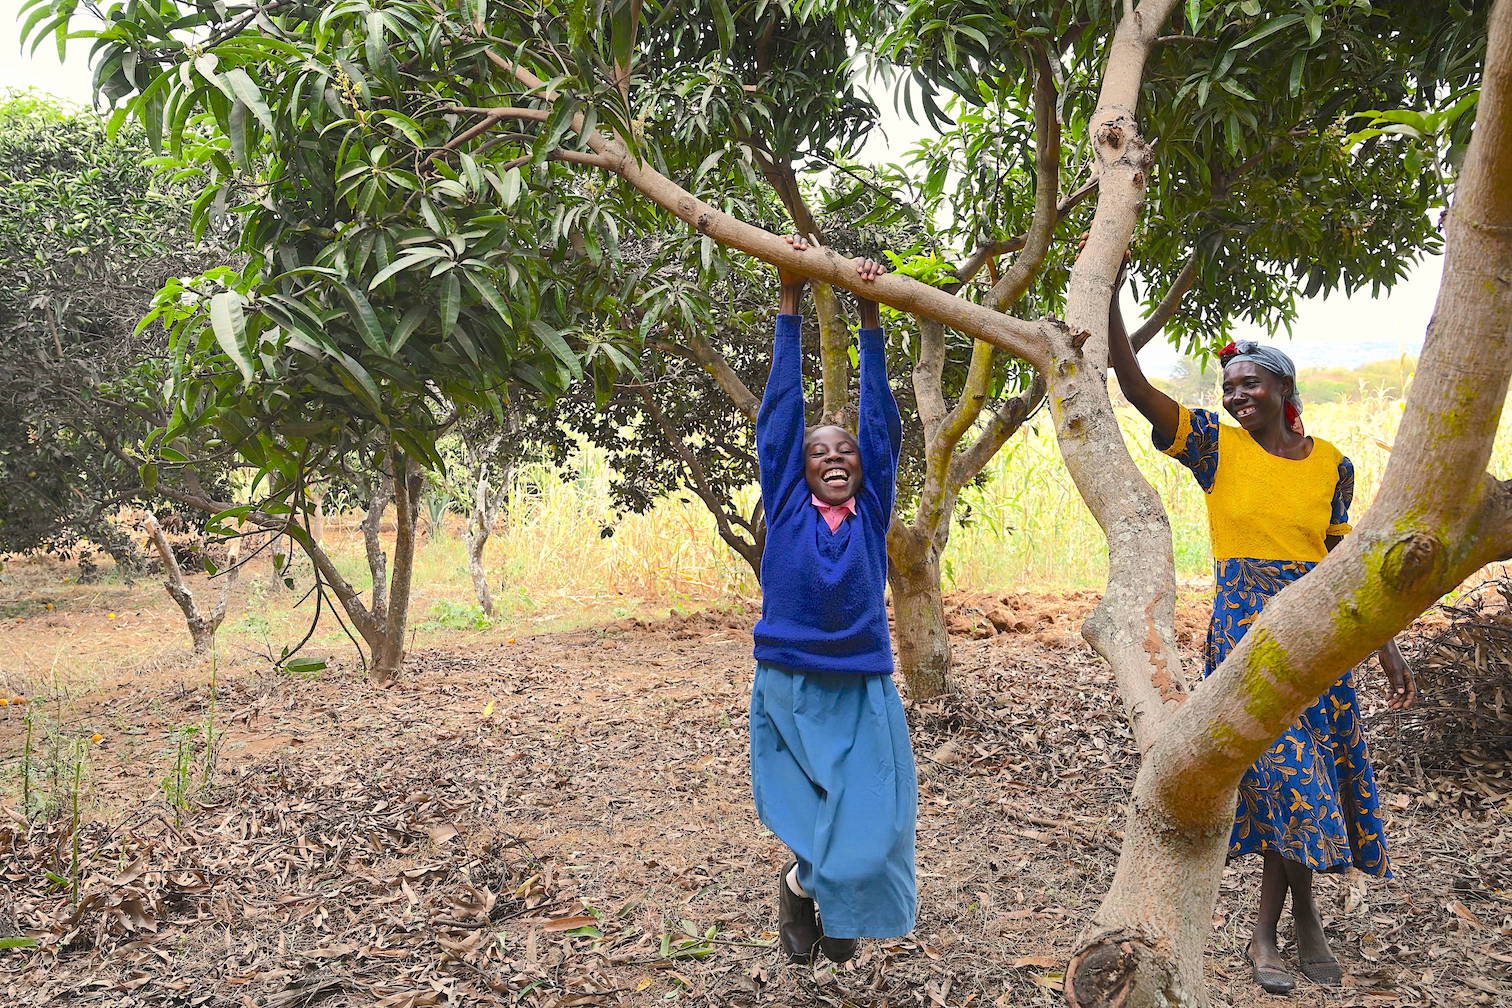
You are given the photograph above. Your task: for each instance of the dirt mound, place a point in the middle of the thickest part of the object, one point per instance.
(1054, 620)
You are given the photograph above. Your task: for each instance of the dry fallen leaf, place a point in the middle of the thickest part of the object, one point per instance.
(569, 923)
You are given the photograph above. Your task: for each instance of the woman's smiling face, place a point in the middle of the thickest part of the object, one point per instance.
(1254, 395)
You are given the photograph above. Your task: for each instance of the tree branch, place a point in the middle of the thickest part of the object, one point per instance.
(1003, 423)
(699, 352)
(1017, 280)
(351, 601)
(991, 250)
(928, 377)
(1166, 309)
(1025, 340)
(967, 408)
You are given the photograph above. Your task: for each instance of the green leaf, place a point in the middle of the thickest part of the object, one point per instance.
(559, 348)
(228, 320)
(489, 293)
(1234, 89)
(249, 95)
(405, 262)
(1270, 29)
(451, 304)
(366, 319)
(18, 943)
(509, 187)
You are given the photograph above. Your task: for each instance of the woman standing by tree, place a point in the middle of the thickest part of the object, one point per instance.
(1278, 501)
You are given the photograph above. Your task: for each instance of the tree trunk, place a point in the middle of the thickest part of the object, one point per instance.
(381, 489)
(476, 540)
(918, 612)
(1144, 947)
(388, 656)
(1436, 519)
(317, 517)
(202, 625)
(487, 502)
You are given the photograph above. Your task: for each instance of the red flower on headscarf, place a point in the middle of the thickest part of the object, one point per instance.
(1294, 417)
(1227, 352)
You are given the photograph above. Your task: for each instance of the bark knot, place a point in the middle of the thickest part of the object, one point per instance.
(703, 223)
(1411, 559)
(1102, 974)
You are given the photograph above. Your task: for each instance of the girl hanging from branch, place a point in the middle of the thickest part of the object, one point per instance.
(832, 766)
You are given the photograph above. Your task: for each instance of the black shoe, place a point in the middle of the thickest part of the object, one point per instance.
(838, 950)
(1272, 979)
(797, 921)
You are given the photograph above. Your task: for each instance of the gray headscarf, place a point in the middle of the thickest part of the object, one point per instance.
(1274, 361)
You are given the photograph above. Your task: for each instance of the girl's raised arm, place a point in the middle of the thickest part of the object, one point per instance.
(779, 423)
(880, 428)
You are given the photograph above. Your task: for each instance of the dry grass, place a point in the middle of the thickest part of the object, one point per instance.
(552, 567)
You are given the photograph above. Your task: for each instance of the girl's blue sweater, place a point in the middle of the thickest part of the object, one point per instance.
(823, 607)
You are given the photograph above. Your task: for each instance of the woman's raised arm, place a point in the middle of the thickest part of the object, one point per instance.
(1158, 408)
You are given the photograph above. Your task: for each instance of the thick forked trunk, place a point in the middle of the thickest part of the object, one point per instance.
(1144, 946)
(918, 612)
(388, 656)
(1436, 519)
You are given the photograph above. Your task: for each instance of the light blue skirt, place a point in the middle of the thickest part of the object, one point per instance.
(832, 771)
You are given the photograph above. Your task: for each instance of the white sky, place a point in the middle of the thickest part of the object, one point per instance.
(1333, 331)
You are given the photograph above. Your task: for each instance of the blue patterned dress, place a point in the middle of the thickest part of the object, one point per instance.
(1312, 796)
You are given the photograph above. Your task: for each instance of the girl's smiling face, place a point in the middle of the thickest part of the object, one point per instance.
(1254, 395)
(832, 464)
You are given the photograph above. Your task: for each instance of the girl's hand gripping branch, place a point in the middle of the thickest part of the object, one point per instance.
(794, 284)
(869, 269)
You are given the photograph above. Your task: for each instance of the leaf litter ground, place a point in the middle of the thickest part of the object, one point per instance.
(566, 821)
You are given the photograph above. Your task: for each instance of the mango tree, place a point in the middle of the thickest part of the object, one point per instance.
(87, 235)
(388, 281)
(1258, 197)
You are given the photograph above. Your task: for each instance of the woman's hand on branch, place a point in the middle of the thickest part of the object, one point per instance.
(868, 270)
(793, 284)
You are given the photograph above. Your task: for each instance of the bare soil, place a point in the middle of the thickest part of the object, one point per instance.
(565, 820)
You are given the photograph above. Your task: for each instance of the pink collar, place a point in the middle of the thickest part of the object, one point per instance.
(835, 514)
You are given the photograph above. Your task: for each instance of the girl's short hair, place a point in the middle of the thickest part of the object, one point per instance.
(808, 431)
